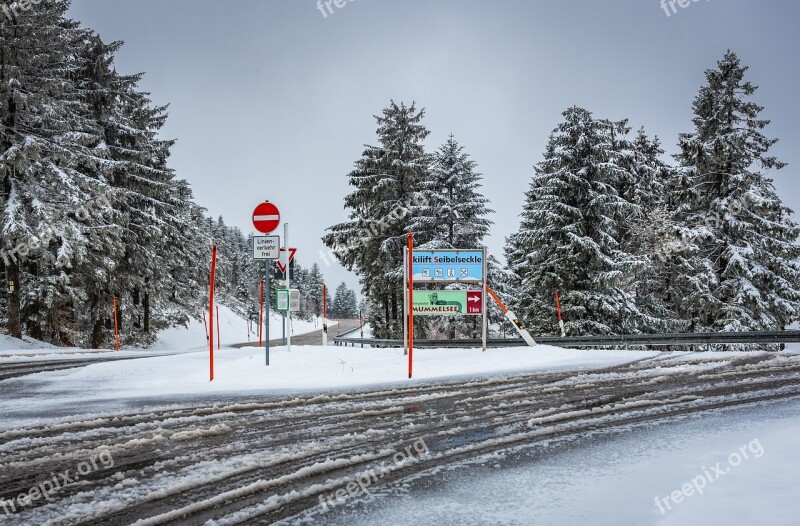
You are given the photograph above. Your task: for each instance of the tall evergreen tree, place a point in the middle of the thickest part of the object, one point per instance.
(649, 235)
(315, 282)
(387, 179)
(569, 235)
(89, 209)
(453, 213)
(46, 135)
(748, 249)
(344, 303)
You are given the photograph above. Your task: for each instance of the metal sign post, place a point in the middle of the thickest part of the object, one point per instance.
(211, 312)
(266, 218)
(405, 301)
(410, 302)
(485, 314)
(288, 286)
(267, 248)
(266, 320)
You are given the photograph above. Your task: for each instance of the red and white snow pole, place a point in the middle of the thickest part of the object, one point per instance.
(116, 327)
(211, 312)
(410, 301)
(560, 321)
(324, 316)
(510, 316)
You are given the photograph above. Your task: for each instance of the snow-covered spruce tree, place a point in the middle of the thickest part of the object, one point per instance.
(309, 282)
(147, 200)
(649, 235)
(89, 209)
(568, 238)
(47, 134)
(453, 212)
(351, 302)
(387, 180)
(315, 282)
(339, 305)
(344, 304)
(746, 266)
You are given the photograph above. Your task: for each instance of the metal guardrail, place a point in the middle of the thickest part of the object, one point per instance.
(625, 340)
(345, 333)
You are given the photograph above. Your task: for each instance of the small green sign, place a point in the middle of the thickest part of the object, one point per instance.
(448, 302)
(282, 300)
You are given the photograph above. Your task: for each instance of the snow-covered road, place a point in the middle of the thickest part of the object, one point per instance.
(262, 458)
(623, 476)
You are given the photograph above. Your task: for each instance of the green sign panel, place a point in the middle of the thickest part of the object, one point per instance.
(448, 302)
(282, 300)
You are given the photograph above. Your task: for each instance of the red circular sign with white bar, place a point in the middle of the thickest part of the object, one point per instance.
(266, 217)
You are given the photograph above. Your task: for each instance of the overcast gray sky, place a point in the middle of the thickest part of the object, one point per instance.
(269, 99)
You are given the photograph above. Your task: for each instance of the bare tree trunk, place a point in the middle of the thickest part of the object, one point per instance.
(395, 324)
(97, 334)
(146, 304)
(386, 327)
(12, 281)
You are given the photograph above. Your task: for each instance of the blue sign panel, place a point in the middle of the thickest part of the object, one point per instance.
(447, 265)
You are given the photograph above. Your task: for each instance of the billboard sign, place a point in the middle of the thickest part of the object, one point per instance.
(447, 266)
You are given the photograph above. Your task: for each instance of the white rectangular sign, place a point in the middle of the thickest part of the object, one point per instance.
(266, 247)
(294, 300)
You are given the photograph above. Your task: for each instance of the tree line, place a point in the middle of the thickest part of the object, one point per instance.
(89, 208)
(633, 243)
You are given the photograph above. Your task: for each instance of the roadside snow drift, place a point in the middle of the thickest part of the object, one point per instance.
(307, 368)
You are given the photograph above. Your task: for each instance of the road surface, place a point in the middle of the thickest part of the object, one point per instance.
(262, 459)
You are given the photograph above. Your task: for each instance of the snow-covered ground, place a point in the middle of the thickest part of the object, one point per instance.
(614, 478)
(233, 329)
(317, 367)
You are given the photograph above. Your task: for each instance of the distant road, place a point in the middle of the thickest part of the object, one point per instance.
(16, 369)
(309, 338)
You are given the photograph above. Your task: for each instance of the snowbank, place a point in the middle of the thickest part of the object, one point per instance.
(7, 343)
(307, 368)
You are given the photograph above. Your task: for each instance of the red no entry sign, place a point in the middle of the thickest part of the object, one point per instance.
(266, 217)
